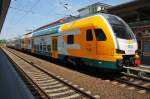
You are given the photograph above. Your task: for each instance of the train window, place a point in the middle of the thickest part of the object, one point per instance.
(32, 42)
(100, 35)
(48, 48)
(44, 48)
(120, 28)
(70, 39)
(40, 47)
(37, 46)
(89, 35)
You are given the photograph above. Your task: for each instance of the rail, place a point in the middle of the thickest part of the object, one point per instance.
(142, 72)
(77, 90)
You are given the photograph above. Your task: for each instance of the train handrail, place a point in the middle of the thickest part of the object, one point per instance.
(141, 72)
(145, 66)
(137, 69)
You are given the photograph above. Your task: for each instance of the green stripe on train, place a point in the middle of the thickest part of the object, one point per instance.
(95, 63)
(100, 63)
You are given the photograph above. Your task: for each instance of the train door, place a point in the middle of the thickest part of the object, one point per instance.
(103, 47)
(90, 42)
(55, 47)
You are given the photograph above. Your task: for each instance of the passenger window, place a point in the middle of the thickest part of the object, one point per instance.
(100, 35)
(34, 47)
(32, 42)
(44, 48)
(48, 48)
(70, 39)
(40, 47)
(89, 35)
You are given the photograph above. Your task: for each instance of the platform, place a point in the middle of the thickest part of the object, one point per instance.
(11, 85)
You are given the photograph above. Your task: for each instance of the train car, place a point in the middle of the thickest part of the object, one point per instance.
(26, 42)
(10, 43)
(18, 42)
(41, 44)
(100, 40)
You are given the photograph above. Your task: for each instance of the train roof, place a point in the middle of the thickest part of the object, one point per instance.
(54, 27)
(66, 19)
(46, 31)
(27, 35)
(58, 22)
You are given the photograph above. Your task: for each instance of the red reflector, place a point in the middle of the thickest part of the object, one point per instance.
(137, 61)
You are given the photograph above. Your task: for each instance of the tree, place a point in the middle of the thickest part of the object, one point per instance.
(2, 41)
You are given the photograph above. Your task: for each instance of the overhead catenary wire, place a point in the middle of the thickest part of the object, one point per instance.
(27, 12)
(20, 10)
(67, 6)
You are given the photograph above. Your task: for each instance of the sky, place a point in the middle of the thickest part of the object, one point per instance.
(26, 15)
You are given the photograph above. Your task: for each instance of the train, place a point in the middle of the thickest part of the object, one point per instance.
(99, 40)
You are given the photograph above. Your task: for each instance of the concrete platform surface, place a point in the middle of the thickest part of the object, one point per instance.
(11, 85)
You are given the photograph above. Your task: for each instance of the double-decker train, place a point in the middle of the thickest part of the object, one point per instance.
(99, 40)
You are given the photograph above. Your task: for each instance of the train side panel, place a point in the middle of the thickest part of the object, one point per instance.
(93, 52)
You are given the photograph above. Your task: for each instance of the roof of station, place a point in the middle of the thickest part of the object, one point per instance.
(132, 11)
(95, 4)
(4, 5)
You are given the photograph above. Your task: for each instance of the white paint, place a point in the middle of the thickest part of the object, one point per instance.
(110, 29)
(129, 46)
(62, 46)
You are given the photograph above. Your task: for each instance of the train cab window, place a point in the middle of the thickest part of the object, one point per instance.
(70, 39)
(89, 35)
(100, 35)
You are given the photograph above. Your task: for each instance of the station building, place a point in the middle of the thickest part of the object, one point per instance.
(137, 14)
(93, 8)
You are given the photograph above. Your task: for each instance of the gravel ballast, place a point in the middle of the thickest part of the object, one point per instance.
(104, 88)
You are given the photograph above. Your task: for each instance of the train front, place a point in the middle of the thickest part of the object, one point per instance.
(125, 41)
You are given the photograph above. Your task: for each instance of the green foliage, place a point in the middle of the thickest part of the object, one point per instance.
(2, 41)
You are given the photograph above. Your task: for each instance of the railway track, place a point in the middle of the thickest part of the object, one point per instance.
(137, 76)
(47, 85)
(139, 84)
